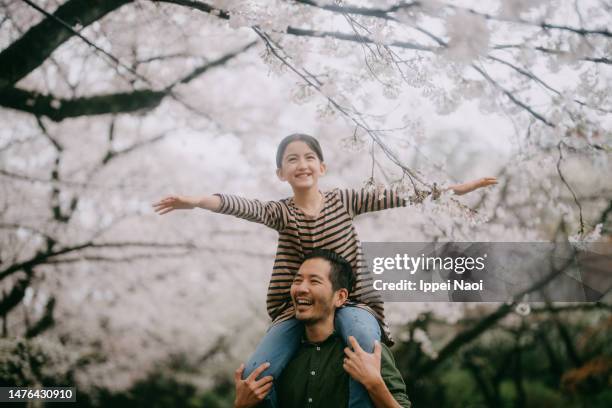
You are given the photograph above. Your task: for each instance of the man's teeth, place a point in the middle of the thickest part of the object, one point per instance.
(304, 302)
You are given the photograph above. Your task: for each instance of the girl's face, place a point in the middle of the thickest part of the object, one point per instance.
(301, 166)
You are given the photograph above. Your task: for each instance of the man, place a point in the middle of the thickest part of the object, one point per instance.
(318, 374)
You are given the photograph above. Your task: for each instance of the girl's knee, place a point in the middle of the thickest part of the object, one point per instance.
(359, 324)
(366, 335)
(252, 365)
(249, 367)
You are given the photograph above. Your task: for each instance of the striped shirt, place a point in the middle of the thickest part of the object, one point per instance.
(299, 234)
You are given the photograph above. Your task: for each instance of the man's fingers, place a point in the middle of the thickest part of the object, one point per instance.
(377, 349)
(266, 388)
(349, 367)
(263, 391)
(348, 361)
(258, 371)
(238, 373)
(354, 343)
(349, 353)
(264, 381)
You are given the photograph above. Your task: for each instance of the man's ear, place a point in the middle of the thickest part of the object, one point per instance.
(341, 297)
(279, 174)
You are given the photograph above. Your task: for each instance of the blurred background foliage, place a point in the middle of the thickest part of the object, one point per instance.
(555, 356)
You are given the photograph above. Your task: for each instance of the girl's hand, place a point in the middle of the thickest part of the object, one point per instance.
(171, 203)
(470, 186)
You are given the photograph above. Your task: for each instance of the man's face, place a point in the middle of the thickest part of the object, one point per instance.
(312, 293)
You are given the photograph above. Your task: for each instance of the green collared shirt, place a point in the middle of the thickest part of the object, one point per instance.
(314, 378)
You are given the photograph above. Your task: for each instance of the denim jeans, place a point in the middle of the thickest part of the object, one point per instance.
(282, 341)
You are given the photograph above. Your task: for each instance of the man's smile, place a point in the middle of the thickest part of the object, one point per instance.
(303, 302)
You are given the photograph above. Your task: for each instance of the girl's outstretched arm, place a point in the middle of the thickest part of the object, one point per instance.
(470, 186)
(270, 213)
(171, 203)
(364, 201)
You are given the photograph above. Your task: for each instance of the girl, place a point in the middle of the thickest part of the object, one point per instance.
(310, 219)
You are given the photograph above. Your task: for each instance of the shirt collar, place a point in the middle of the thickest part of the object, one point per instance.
(329, 339)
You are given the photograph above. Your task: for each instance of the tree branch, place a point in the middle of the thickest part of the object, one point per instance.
(303, 32)
(212, 64)
(544, 25)
(58, 109)
(513, 98)
(362, 11)
(43, 256)
(45, 322)
(198, 5)
(533, 77)
(38, 43)
(578, 204)
(15, 296)
(600, 60)
(486, 323)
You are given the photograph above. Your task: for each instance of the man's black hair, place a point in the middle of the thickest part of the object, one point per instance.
(341, 273)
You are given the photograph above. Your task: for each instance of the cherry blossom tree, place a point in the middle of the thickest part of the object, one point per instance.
(109, 105)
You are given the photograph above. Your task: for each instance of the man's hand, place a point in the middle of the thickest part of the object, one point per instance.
(470, 186)
(363, 366)
(251, 391)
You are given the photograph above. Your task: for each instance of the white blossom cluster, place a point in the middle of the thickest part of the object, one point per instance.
(469, 37)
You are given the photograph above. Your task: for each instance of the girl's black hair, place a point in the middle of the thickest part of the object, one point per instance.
(341, 273)
(309, 140)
